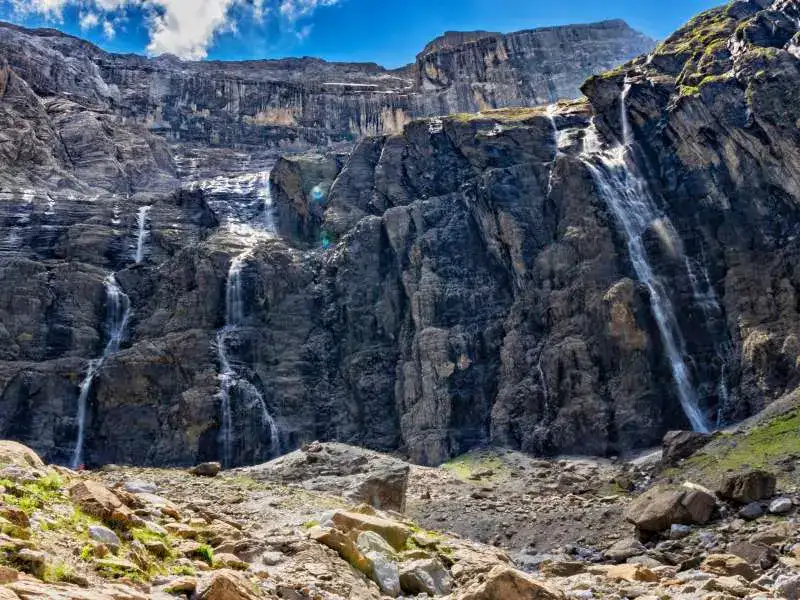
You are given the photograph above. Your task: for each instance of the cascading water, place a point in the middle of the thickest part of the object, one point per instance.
(230, 381)
(635, 211)
(118, 307)
(141, 238)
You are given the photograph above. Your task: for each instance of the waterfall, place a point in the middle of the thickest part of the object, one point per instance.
(627, 132)
(141, 238)
(545, 389)
(269, 212)
(635, 211)
(230, 381)
(118, 310)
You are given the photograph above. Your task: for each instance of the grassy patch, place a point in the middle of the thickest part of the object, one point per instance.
(470, 465)
(206, 553)
(759, 447)
(58, 572)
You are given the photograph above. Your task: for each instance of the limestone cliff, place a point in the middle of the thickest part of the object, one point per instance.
(453, 283)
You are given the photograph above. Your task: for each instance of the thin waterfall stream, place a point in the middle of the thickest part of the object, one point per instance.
(141, 238)
(230, 381)
(635, 211)
(117, 317)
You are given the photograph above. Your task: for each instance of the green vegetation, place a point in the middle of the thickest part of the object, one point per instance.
(480, 464)
(34, 495)
(759, 447)
(206, 553)
(59, 572)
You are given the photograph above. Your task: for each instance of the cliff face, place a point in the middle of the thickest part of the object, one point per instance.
(297, 103)
(577, 279)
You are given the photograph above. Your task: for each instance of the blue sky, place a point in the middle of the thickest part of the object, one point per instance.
(389, 33)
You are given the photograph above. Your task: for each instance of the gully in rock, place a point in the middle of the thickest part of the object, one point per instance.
(118, 314)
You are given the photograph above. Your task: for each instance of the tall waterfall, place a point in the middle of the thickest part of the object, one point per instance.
(232, 385)
(635, 211)
(141, 238)
(118, 310)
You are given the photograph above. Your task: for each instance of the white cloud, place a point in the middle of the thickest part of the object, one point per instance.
(88, 20)
(185, 28)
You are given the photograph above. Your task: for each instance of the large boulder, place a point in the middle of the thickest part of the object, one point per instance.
(426, 576)
(226, 584)
(98, 501)
(505, 583)
(748, 487)
(678, 445)
(384, 488)
(14, 453)
(728, 565)
(393, 532)
(659, 508)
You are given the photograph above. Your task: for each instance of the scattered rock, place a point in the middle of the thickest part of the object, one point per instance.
(727, 565)
(505, 583)
(209, 469)
(780, 506)
(229, 561)
(751, 511)
(659, 508)
(385, 573)
(559, 568)
(226, 584)
(788, 586)
(97, 500)
(747, 487)
(138, 486)
(631, 572)
(32, 561)
(678, 532)
(7, 574)
(756, 555)
(105, 536)
(425, 577)
(624, 549)
(181, 585)
(678, 445)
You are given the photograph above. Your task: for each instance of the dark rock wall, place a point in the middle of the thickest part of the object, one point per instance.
(458, 282)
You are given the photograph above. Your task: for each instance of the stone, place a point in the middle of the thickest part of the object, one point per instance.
(229, 561)
(777, 533)
(209, 469)
(427, 576)
(384, 489)
(506, 583)
(727, 565)
(659, 508)
(271, 559)
(678, 445)
(32, 561)
(561, 568)
(751, 511)
(345, 546)
(226, 584)
(14, 453)
(393, 532)
(735, 586)
(631, 572)
(369, 541)
(678, 532)
(7, 574)
(15, 515)
(139, 486)
(780, 506)
(97, 500)
(157, 548)
(624, 549)
(756, 555)
(105, 536)
(181, 585)
(747, 487)
(788, 586)
(385, 573)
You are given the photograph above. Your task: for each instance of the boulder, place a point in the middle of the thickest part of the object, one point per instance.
(426, 576)
(229, 561)
(756, 555)
(561, 568)
(780, 506)
(105, 536)
(344, 545)
(624, 549)
(14, 453)
(751, 511)
(506, 583)
(631, 573)
(727, 565)
(209, 469)
(659, 508)
(32, 561)
(788, 586)
(226, 584)
(385, 573)
(97, 500)
(678, 445)
(395, 533)
(181, 585)
(7, 574)
(776, 533)
(369, 541)
(747, 487)
(384, 488)
(138, 486)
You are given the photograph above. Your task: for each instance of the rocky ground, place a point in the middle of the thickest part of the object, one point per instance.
(334, 521)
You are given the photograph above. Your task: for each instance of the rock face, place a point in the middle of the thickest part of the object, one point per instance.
(468, 280)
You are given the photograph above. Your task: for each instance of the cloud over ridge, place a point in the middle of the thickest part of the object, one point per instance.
(185, 28)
